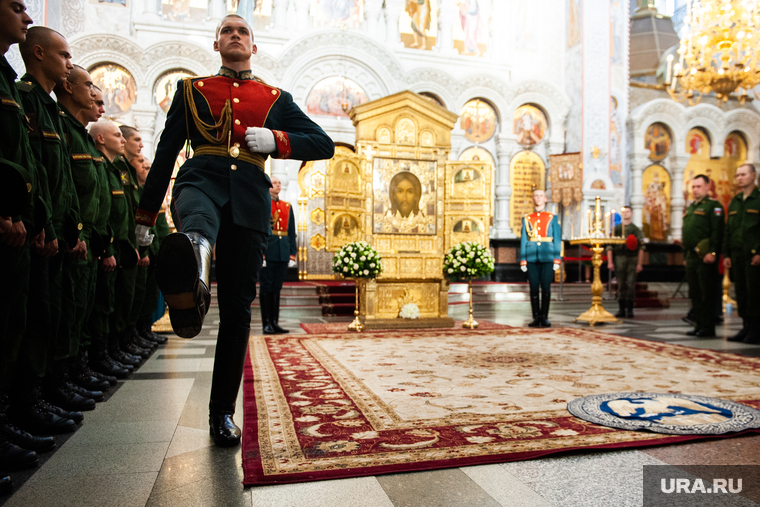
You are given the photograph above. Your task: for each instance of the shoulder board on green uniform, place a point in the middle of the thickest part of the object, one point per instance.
(25, 86)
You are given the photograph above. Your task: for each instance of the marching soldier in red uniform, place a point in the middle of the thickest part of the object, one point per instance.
(221, 196)
(281, 253)
(540, 255)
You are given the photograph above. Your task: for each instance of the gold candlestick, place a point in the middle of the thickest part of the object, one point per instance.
(356, 325)
(470, 323)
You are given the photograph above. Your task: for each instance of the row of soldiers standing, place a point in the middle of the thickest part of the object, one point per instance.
(78, 293)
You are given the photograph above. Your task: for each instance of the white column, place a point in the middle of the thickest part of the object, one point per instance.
(447, 15)
(372, 11)
(152, 9)
(279, 13)
(302, 15)
(677, 201)
(145, 122)
(639, 162)
(217, 9)
(504, 149)
(393, 9)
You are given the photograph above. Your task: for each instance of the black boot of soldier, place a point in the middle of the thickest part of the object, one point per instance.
(28, 413)
(753, 332)
(534, 306)
(621, 309)
(738, 337)
(13, 457)
(183, 272)
(114, 350)
(128, 346)
(275, 313)
(545, 300)
(6, 486)
(265, 303)
(58, 391)
(144, 330)
(225, 384)
(629, 309)
(80, 374)
(101, 362)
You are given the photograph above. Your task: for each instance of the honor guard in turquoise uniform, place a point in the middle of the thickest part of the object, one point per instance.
(741, 252)
(281, 252)
(540, 256)
(626, 261)
(221, 197)
(702, 239)
(16, 238)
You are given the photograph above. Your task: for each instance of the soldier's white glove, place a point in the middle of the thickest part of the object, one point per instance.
(264, 264)
(524, 269)
(143, 236)
(555, 267)
(260, 140)
(291, 263)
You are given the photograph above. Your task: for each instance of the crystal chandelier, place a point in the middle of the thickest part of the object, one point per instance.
(719, 52)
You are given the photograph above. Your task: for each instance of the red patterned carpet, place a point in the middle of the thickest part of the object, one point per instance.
(340, 327)
(333, 406)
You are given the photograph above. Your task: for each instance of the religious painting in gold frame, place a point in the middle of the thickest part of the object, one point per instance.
(698, 149)
(345, 228)
(118, 86)
(657, 141)
(656, 213)
(166, 86)
(529, 125)
(566, 176)
(527, 172)
(404, 200)
(344, 177)
(478, 120)
(734, 155)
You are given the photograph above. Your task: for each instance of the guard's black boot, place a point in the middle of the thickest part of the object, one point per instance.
(621, 311)
(738, 337)
(536, 312)
(753, 332)
(275, 313)
(80, 375)
(629, 308)
(545, 300)
(183, 272)
(28, 411)
(114, 350)
(102, 363)
(21, 438)
(6, 485)
(225, 383)
(265, 303)
(223, 430)
(13, 457)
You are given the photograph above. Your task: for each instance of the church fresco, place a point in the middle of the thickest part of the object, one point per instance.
(657, 141)
(334, 96)
(616, 158)
(472, 29)
(118, 88)
(478, 120)
(529, 124)
(166, 86)
(337, 13)
(418, 24)
(656, 216)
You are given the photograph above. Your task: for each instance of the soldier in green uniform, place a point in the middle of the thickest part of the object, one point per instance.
(75, 101)
(626, 261)
(48, 63)
(702, 238)
(741, 252)
(14, 242)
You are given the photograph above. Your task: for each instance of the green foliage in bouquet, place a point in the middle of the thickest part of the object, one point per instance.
(357, 260)
(468, 260)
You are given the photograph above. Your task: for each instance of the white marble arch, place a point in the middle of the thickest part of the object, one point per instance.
(680, 119)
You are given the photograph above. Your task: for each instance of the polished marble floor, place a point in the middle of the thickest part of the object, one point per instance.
(148, 444)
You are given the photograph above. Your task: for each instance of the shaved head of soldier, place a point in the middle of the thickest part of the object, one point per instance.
(234, 42)
(46, 56)
(75, 92)
(108, 139)
(96, 109)
(14, 23)
(138, 162)
(134, 141)
(700, 186)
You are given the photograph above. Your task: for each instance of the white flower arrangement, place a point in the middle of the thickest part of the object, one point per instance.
(357, 260)
(409, 311)
(468, 260)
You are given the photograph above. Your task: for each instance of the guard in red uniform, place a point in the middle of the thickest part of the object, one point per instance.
(281, 253)
(540, 256)
(221, 196)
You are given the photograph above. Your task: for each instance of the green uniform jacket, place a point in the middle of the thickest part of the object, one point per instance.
(623, 249)
(14, 147)
(742, 236)
(101, 225)
(119, 219)
(46, 137)
(83, 171)
(703, 219)
(130, 188)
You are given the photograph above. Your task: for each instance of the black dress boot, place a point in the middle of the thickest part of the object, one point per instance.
(183, 272)
(265, 303)
(101, 362)
(753, 331)
(536, 312)
(13, 457)
(6, 486)
(621, 309)
(28, 411)
(80, 374)
(229, 361)
(545, 300)
(58, 391)
(25, 440)
(275, 313)
(738, 337)
(126, 344)
(629, 309)
(144, 330)
(122, 358)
